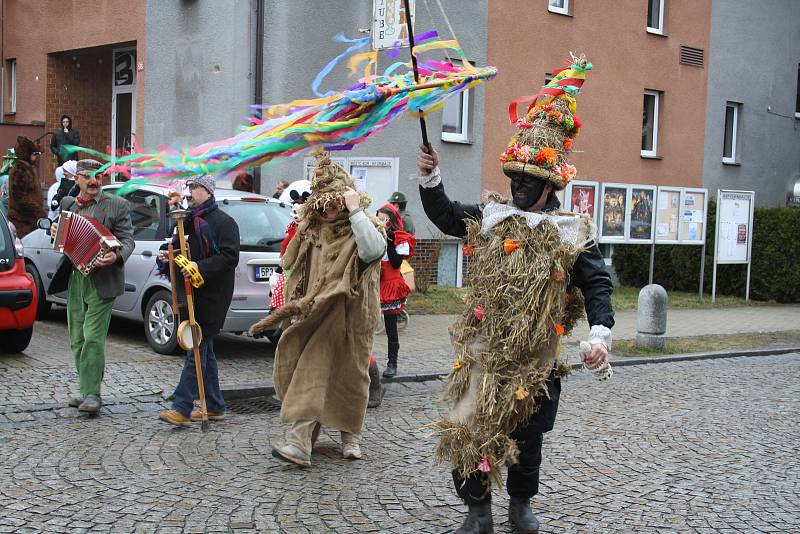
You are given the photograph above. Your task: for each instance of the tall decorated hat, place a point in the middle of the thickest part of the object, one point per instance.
(545, 134)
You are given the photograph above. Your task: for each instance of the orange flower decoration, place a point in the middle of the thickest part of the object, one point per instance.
(521, 393)
(546, 156)
(468, 250)
(559, 329)
(457, 364)
(558, 276)
(567, 143)
(509, 246)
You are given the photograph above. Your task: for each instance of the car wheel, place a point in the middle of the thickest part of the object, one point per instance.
(159, 324)
(14, 341)
(42, 306)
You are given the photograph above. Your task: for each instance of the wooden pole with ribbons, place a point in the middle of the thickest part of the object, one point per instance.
(189, 328)
(410, 26)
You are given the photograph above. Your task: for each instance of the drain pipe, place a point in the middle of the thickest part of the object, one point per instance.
(258, 89)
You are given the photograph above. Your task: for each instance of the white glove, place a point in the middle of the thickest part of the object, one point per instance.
(603, 372)
(428, 181)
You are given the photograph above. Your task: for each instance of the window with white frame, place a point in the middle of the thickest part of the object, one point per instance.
(731, 132)
(548, 77)
(12, 86)
(455, 118)
(558, 6)
(652, 100)
(797, 104)
(655, 16)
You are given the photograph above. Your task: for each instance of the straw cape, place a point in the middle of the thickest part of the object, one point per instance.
(521, 298)
(330, 315)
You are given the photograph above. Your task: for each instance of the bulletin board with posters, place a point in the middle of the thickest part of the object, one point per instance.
(734, 226)
(733, 240)
(581, 196)
(668, 213)
(641, 213)
(694, 208)
(613, 221)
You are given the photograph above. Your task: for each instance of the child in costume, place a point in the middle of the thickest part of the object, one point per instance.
(329, 317)
(394, 289)
(533, 271)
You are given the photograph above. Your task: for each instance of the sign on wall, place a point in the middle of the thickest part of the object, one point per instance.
(389, 23)
(581, 197)
(377, 177)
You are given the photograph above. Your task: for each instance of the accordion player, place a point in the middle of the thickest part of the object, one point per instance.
(84, 240)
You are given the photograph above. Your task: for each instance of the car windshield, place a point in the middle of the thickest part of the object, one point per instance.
(262, 225)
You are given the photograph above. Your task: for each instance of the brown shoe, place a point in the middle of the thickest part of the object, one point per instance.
(212, 416)
(174, 418)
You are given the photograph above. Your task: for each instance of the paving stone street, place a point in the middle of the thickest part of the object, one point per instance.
(704, 446)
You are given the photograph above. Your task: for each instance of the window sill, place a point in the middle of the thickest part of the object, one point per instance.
(555, 12)
(732, 163)
(10, 113)
(647, 156)
(456, 139)
(653, 31)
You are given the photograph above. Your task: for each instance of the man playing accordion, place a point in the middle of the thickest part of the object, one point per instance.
(90, 297)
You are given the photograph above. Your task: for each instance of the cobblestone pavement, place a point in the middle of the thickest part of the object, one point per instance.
(707, 446)
(38, 382)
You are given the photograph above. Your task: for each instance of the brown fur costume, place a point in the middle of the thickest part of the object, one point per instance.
(25, 202)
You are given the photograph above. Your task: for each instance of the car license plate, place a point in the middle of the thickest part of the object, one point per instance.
(263, 272)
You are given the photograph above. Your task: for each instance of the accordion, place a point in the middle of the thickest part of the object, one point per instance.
(84, 240)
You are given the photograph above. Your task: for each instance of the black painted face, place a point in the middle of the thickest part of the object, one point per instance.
(526, 190)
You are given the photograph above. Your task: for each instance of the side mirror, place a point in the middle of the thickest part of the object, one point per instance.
(44, 223)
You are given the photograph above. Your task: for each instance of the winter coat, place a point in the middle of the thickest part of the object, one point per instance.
(213, 298)
(61, 138)
(115, 214)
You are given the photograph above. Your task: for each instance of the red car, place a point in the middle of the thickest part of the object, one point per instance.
(18, 296)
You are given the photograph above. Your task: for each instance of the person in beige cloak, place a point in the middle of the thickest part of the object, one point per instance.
(331, 312)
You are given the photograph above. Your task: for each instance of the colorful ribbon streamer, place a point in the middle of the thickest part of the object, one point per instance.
(333, 120)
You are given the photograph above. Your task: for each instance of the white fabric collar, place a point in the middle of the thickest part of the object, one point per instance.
(568, 225)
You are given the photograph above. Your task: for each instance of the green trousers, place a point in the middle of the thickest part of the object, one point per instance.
(88, 317)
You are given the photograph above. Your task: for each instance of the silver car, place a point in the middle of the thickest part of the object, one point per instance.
(262, 226)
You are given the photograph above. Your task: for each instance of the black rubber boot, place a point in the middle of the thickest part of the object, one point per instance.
(391, 367)
(478, 520)
(376, 389)
(521, 516)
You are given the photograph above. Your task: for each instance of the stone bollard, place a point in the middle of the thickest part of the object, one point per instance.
(651, 318)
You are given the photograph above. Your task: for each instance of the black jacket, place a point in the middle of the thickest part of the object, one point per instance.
(213, 298)
(588, 273)
(72, 137)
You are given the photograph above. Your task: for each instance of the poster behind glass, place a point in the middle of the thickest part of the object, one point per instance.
(614, 208)
(582, 199)
(641, 220)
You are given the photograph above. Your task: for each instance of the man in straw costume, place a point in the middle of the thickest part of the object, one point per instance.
(330, 314)
(531, 269)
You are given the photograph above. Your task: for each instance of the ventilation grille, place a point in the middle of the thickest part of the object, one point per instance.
(692, 56)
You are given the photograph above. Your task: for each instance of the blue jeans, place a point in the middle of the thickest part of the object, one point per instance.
(186, 390)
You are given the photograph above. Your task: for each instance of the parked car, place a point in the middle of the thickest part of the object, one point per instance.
(18, 293)
(148, 296)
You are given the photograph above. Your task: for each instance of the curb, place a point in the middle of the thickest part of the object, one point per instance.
(246, 391)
